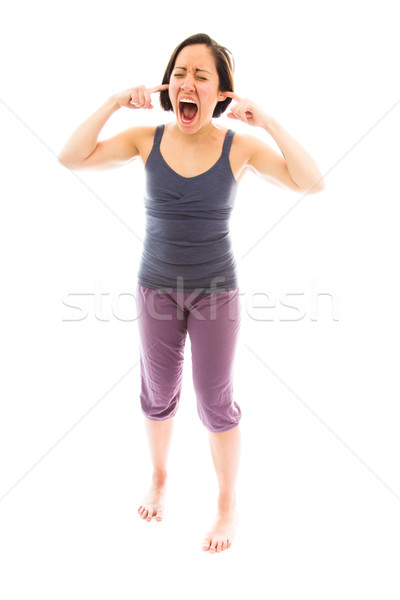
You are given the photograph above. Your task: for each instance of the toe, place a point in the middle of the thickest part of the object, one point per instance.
(212, 548)
(159, 515)
(206, 545)
(219, 546)
(144, 513)
(150, 514)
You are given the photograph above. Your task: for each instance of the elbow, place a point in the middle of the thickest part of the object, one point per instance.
(320, 185)
(317, 187)
(62, 160)
(65, 162)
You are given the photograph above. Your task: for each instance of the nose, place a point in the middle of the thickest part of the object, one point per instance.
(188, 82)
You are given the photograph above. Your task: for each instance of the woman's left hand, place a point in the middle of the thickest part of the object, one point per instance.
(247, 111)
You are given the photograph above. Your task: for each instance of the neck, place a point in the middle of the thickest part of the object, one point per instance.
(201, 135)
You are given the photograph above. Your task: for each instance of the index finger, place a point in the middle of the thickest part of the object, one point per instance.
(232, 95)
(158, 88)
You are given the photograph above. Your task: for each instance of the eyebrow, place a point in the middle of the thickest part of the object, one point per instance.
(184, 68)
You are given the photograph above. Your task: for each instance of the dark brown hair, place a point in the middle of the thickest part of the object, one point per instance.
(224, 63)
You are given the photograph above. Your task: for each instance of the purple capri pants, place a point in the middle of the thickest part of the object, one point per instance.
(213, 322)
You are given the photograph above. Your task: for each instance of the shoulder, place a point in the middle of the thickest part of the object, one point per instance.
(265, 162)
(142, 138)
(247, 142)
(141, 134)
(246, 145)
(254, 149)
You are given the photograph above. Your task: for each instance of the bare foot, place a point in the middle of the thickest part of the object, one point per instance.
(153, 503)
(220, 536)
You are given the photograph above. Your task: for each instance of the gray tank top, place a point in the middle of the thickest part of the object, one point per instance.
(187, 244)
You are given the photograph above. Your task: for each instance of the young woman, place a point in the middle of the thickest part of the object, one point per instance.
(187, 280)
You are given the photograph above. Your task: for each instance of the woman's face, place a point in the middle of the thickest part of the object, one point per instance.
(194, 76)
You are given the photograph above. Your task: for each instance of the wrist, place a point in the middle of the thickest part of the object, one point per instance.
(113, 103)
(269, 123)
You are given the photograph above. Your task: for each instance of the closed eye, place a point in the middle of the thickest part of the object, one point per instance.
(203, 78)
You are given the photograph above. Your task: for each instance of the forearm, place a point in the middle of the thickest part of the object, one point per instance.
(84, 139)
(301, 166)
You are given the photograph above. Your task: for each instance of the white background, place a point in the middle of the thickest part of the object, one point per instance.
(319, 485)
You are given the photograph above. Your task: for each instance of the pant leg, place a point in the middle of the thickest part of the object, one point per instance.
(162, 336)
(213, 326)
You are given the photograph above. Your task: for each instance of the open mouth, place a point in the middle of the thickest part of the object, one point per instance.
(187, 112)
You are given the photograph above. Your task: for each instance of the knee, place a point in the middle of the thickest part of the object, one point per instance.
(155, 414)
(218, 417)
(159, 410)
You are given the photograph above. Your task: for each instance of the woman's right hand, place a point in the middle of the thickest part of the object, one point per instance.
(138, 97)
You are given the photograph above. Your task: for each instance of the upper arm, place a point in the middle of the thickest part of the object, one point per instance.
(113, 152)
(268, 164)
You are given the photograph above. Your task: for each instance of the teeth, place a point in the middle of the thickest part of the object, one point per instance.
(188, 101)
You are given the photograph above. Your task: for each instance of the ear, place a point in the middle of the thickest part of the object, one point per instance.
(221, 97)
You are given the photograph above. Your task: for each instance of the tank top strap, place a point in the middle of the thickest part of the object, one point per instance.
(158, 134)
(228, 141)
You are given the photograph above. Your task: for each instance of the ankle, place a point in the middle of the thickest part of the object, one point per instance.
(159, 476)
(226, 502)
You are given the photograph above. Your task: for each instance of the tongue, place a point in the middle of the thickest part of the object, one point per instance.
(189, 110)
